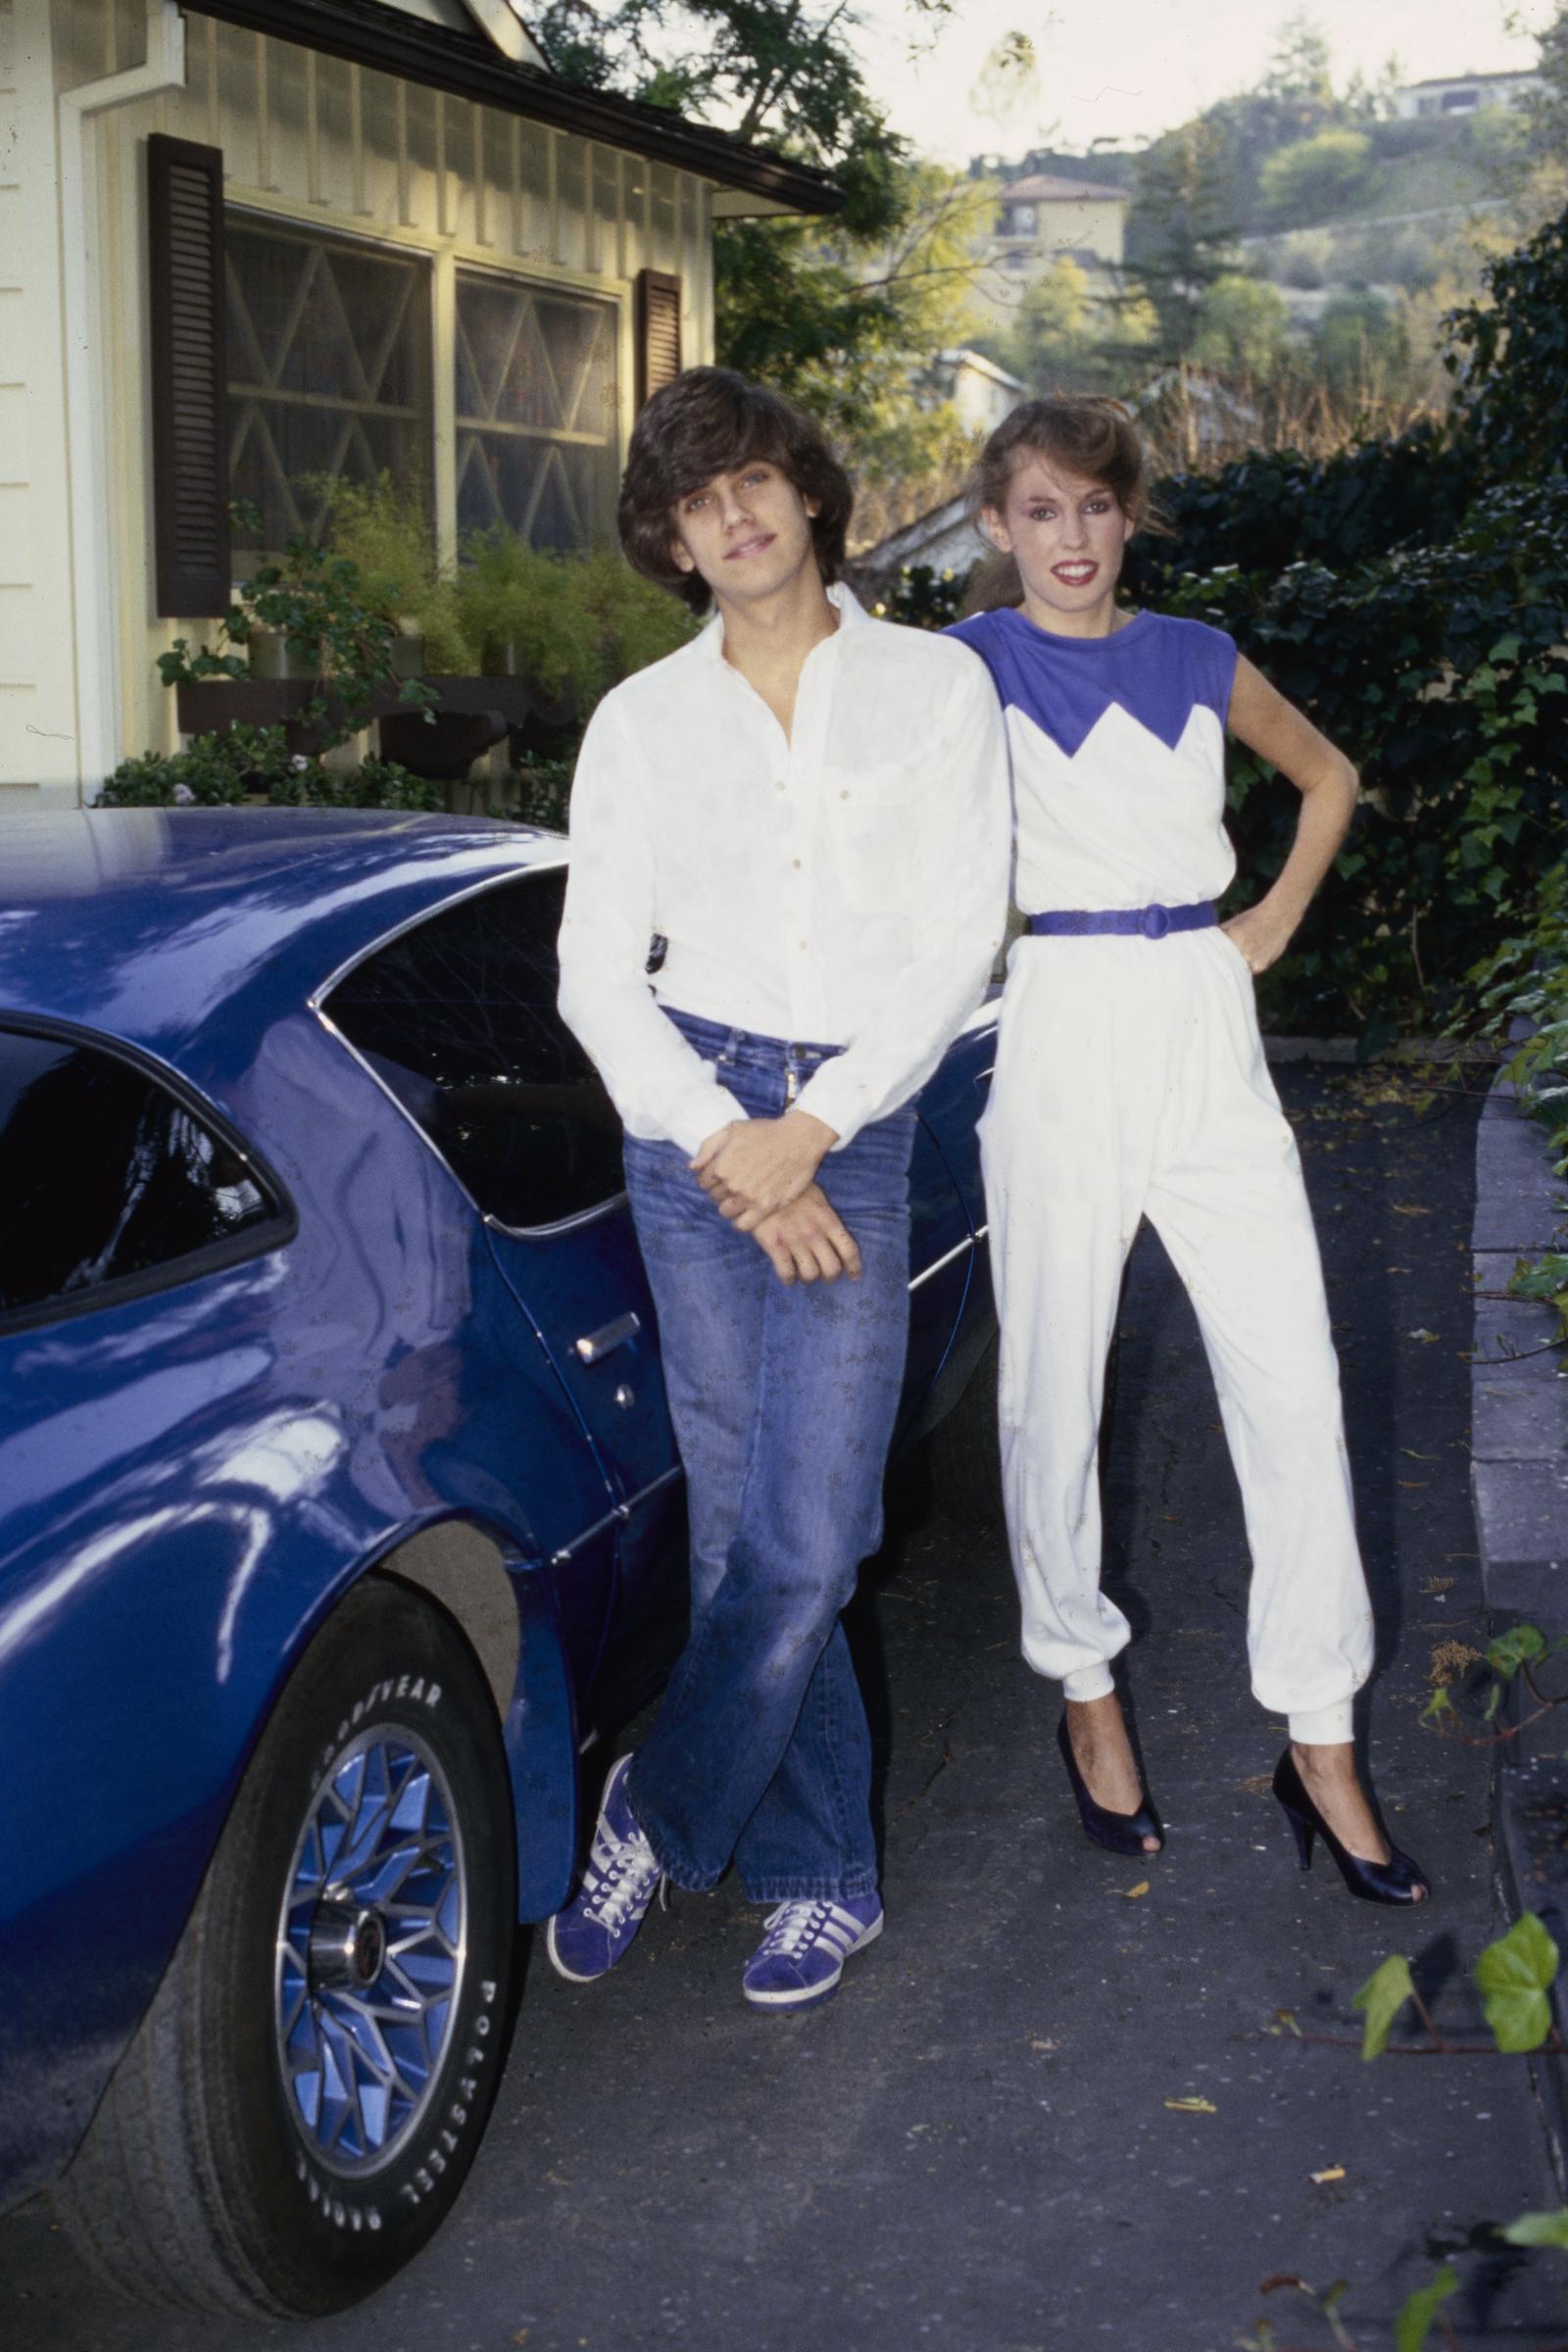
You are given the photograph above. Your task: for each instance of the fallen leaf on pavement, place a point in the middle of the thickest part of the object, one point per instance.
(1191, 2106)
(1420, 1333)
(1409, 1209)
(1042, 2046)
(1131, 1894)
(1333, 2171)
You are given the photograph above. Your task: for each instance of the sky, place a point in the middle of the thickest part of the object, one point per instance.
(1126, 69)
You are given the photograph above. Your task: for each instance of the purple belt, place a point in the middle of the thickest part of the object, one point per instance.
(1138, 922)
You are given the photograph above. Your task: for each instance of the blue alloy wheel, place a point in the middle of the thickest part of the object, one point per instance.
(303, 2100)
(370, 1952)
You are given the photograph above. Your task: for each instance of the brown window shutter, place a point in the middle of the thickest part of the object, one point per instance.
(657, 331)
(190, 457)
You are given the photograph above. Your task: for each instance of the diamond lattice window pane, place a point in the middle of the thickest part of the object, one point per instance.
(535, 381)
(329, 371)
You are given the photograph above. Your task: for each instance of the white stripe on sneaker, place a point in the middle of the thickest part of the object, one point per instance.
(801, 1956)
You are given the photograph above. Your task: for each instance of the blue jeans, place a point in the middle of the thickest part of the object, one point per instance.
(783, 1399)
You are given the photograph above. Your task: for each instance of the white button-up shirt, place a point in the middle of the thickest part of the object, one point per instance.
(844, 884)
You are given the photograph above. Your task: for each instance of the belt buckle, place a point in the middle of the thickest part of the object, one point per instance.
(1157, 922)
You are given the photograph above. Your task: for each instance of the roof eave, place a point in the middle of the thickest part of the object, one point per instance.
(465, 66)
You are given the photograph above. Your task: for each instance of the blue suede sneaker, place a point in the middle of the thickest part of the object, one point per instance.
(623, 1877)
(802, 1957)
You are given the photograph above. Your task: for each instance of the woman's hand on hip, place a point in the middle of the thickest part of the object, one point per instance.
(1261, 934)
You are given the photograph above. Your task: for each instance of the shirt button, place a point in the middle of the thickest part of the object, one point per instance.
(844, 795)
(795, 861)
(780, 786)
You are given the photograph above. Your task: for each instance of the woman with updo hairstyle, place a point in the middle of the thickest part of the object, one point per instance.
(1131, 1083)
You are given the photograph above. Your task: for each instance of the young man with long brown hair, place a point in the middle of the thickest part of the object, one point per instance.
(809, 806)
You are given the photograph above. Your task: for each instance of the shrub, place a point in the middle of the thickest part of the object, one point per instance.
(923, 598)
(1243, 325)
(1274, 508)
(1362, 348)
(216, 771)
(1441, 672)
(1314, 176)
(1509, 356)
(238, 764)
(385, 532)
(574, 624)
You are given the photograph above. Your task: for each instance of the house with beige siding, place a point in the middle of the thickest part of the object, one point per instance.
(247, 244)
(1040, 219)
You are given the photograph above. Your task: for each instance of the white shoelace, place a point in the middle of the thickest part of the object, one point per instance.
(797, 1925)
(629, 1873)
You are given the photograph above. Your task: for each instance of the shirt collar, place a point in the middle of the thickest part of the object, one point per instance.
(846, 603)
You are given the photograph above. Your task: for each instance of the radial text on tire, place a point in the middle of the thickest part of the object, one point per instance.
(308, 2089)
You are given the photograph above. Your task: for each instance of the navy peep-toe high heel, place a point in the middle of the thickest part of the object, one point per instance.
(1398, 1880)
(1117, 1833)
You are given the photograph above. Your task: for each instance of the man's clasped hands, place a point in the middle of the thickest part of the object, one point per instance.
(762, 1174)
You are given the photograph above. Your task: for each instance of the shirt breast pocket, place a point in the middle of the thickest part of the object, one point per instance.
(875, 814)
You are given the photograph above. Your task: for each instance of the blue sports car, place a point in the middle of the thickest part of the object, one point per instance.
(338, 1512)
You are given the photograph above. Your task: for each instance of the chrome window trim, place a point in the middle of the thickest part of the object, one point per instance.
(615, 1518)
(317, 1003)
(425, 914)
(936, 1263)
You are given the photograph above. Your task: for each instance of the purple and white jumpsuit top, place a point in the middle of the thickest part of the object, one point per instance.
(1131, 1082)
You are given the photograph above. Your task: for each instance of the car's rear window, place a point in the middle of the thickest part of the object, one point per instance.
(107, 1176)
(457, 1016)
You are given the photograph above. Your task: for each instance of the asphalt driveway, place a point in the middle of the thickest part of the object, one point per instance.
(975, 2146)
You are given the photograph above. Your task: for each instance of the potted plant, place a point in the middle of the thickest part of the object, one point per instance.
(385, 530)
(332, 632)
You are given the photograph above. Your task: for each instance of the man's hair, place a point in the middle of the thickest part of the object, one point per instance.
(711, 421)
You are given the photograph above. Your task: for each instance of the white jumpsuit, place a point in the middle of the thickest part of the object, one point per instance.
(1131, 1082)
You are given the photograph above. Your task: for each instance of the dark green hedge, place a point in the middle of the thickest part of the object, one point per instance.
(1444, 672)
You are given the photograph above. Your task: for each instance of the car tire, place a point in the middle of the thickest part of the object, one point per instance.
(304, 2095)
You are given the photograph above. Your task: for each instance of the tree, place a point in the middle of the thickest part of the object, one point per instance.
(1540, 171)
(1509, 354)
(1243, 327)
(1064, 338)
(1294, 100)
(833, 316)
(777, 71)
(1052, 328)
(1363, 350)
(1314, 177)
(847, 326)
(1297, 83)
(1181, 228)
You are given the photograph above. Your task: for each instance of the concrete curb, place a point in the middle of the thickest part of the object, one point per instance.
(1417, 1050)
(1519, 1487)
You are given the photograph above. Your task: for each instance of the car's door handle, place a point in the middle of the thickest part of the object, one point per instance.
(599, 1344)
